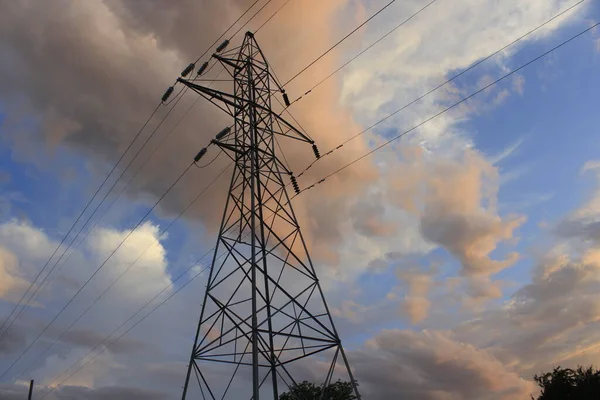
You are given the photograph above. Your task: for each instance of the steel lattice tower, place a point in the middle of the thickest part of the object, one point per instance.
(264, 311)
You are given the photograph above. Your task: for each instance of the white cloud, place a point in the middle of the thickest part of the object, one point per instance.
(420, 55)
(10, 281)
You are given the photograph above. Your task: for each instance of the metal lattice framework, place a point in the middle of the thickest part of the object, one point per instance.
(263, 312)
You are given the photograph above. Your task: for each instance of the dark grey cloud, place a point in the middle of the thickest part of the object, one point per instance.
(18, 392)
(88, 338)
(12, 341)
(582, 229)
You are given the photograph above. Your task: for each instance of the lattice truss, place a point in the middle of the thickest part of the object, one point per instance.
(263, 312)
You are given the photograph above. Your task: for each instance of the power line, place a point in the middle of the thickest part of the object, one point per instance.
(140, 309)
(227, 30)
(176, 99)
(156, 148)
(365, 50)
(97, 270)
(447, 108)
(104, 182)
(133, 326)
(145, 215)
(251, 18)
(76, 221)
(87, 221)
(272, 16)
(156, 241)
(442, 84)
(339, 42)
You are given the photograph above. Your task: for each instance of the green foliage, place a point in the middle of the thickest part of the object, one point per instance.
(309, 391)
(567, 384)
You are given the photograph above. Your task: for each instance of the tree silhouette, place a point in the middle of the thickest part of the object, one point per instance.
(309, 391)
(567, 384)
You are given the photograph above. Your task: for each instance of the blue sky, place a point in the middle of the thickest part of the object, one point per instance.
(441, 211)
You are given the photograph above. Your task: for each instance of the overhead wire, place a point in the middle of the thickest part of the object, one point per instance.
(364, 50)
(457, 103)
(339, 42)
(52, 386)
(268, 21)
(33, 282)
(272, 16)
(122, 190)
(87, 221)
(155, 242)
(449, 80)
(251, 18)
(176, 99)
(227, 30)
(19, 303)
(96, 271)
(110, 286)
(447, 108)
(210, 162)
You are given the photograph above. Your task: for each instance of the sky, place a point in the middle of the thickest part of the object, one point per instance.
(458, 260)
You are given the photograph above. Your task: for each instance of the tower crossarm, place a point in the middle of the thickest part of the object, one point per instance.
(234, 104)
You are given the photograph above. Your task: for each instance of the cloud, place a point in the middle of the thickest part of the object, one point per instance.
(460, 215)
(16, 392)
(433, 365)
(12, 341)
(518, 84)
(10, 282)
(105, 66)
(457, 210)
(89, 339)
(553, 320)
(415, 303)
(584, 222)
(110, 39)
(369, 218)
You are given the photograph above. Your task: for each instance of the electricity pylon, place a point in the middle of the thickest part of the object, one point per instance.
(263, 312)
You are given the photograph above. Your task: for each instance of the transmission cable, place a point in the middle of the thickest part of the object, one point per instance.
(271, 17)
(97, 270)
(364, 50)
(139, 310)
(102, 185)
(76, 221)
(53, 386)
(122, 190)
(228, 29)
(454, 77)
(251, 18)
(452, 106)
(155, 242)
(340, 42)
(446, 109)
(89, 218)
